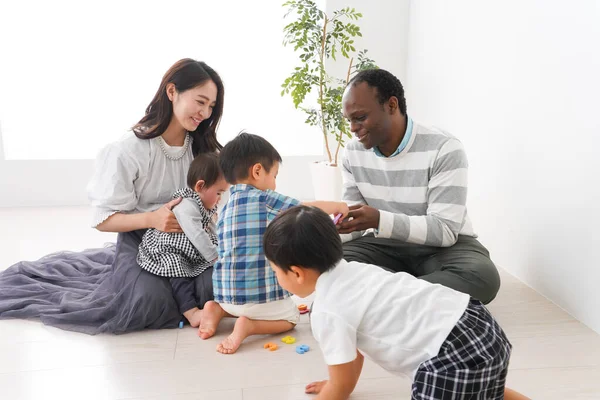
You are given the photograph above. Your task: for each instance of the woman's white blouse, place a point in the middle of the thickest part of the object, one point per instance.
(134, 176)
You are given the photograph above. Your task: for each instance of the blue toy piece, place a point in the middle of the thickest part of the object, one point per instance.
(180, 324)
(302, 349)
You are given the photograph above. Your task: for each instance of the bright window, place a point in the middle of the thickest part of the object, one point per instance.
(75, 75)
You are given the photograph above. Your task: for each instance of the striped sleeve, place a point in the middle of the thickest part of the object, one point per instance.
(350, 195)
(350, 192)
(446, 203)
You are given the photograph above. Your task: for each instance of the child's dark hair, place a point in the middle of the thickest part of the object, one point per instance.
(305, 237)
(204, 167)
(241, 153)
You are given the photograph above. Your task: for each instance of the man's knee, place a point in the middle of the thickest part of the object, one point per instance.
(489, 281)
(482, 273)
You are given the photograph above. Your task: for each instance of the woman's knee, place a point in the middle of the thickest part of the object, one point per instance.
(153, 291)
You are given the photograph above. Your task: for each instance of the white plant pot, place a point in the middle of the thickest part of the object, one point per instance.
(327, 181)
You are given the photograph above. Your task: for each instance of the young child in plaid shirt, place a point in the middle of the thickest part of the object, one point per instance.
(244, 284)
(447, 342)
(182, 256)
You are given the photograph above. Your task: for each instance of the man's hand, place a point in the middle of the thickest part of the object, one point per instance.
(363, 217)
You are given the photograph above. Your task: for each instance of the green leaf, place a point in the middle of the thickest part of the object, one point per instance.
(304, 34)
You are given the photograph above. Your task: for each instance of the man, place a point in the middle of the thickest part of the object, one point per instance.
(407, 185)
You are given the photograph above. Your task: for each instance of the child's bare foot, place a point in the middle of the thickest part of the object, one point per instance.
(212, 315)
(241, 331)
(194, 316)
(245, 327)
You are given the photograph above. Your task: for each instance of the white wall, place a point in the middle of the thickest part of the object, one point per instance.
(25, 183)
(62, 182)
(384, 27)
(519, 82)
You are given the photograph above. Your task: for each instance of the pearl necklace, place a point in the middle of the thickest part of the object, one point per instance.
(186, 144)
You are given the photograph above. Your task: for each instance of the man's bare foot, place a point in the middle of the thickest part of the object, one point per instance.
(212, 315)
(194, 316)
(241, 331)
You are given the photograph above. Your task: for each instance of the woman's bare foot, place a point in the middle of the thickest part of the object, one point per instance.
(194, 316)
(212, 315)
(241, 331)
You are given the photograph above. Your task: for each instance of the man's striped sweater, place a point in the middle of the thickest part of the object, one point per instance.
(421, 192)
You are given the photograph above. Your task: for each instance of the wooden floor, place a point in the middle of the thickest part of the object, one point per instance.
(554, 356)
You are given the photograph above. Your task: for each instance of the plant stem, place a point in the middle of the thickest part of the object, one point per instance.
(337, 150)
(321, 81)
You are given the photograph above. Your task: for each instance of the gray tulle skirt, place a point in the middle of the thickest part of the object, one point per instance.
(95, 291)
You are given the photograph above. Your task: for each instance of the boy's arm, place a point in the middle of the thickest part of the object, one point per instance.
(330, 207)
(337, 340)
(190, 219)
(358, 364)
(274, 203)
(342, 380)
(277, 202)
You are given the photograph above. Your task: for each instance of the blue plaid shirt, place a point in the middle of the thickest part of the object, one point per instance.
(242, 274)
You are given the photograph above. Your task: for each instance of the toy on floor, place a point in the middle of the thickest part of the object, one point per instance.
(270, 346)
(303, 308)
(289, 340)
(180, 324)
(302, 349)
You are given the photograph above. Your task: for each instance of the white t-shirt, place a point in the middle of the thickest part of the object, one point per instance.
(395, 319)
(133, 176)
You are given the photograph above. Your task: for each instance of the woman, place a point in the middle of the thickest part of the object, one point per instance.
(104, 290)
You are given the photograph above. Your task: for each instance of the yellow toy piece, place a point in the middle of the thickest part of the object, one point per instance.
(289, 340)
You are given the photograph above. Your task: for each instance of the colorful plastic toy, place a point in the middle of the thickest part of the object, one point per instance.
(302, 349)
(336, 219)
(303, 308)
(180, 324)
(270, 346)
(289, 340)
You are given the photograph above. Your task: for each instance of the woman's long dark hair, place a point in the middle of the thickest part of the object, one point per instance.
(185, 74)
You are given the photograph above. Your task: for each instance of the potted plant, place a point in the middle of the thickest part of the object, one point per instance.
(318, 38)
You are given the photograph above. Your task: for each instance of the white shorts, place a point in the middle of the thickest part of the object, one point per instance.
(279, 310)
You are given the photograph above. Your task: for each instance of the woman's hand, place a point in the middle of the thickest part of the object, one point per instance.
(164, 220)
